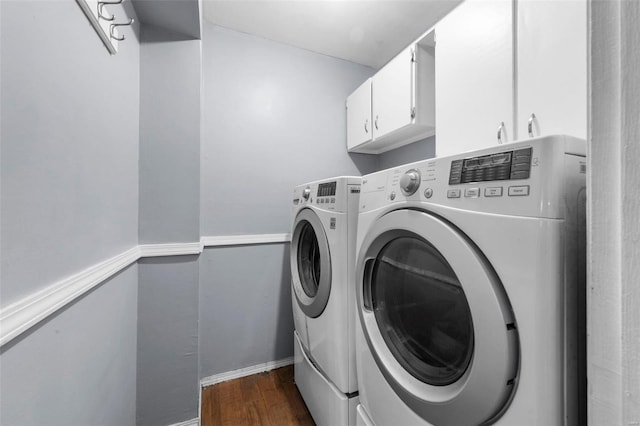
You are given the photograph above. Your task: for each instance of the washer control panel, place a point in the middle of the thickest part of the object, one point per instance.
(334, 195)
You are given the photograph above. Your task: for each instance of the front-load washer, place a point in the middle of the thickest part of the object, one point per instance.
(470, 284)
(323, 296)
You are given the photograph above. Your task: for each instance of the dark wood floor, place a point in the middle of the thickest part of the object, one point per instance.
(270, 399)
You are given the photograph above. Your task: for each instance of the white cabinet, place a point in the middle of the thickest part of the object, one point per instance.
(552, 68)
(359, 125)
(500, 61)
(401, 102)
(474, 76)
(392, 98)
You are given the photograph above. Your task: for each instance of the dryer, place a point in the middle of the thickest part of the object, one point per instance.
(323, 297)
(470, 288)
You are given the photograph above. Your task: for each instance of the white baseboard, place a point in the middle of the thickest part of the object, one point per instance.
(243, 372)
(192, 422)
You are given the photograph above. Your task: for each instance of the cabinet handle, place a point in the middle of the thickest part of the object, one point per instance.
(500, 131)
(366, 125)
(376, 122)
(530, 124)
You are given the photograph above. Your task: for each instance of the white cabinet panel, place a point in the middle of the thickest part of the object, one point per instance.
(552, 67)
(359, 124)
(474, 76)
(392, 94)
(402, 104)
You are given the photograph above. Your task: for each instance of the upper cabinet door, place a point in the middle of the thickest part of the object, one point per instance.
(474, 76)
(393, 94)
(552, 67)
(359, 124)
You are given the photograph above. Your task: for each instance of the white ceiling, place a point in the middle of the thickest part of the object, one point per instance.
(368, 32)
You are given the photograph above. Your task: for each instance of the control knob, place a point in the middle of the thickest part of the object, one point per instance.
(306, 193)
(410, 182)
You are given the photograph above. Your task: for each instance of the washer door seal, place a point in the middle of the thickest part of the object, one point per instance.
(310, 263)
(436, 319)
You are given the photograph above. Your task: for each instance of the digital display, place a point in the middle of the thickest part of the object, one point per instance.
(502, 166)
(326, 189)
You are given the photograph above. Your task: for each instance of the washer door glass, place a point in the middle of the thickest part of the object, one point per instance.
(309, 260)
(436, 318)
(422, 311)
(310, 263)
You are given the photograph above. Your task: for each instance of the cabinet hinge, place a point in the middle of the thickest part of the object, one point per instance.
(413, 55)
(413, 112)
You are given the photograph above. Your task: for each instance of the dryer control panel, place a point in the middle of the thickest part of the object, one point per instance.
(520, 178)
(508, 165)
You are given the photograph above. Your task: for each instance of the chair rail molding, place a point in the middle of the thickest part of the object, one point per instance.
(23, 314)
(240, 240)
(20, 316)
(171, 249)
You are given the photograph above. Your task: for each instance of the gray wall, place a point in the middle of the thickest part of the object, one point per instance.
(169, 212)
(169, 138)
(69, 189)
(273, 117)
(78, 367)
(245, 307)
(416, 151)
(69, 166)
(168, 379)
(182, 17)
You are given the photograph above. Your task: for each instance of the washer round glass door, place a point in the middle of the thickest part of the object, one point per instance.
(436, 319)
(310, 263)
(424, 317)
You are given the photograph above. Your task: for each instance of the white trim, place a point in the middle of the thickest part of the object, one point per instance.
(192, 422)
(243, 372)
(172, 249)
(199, 404)
(18, 317)
(239, 240)
(613, 229)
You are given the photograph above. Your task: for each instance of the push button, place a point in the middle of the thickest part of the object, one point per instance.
(472, 192)
(493, 192)
(453, 193)
(519, 191)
